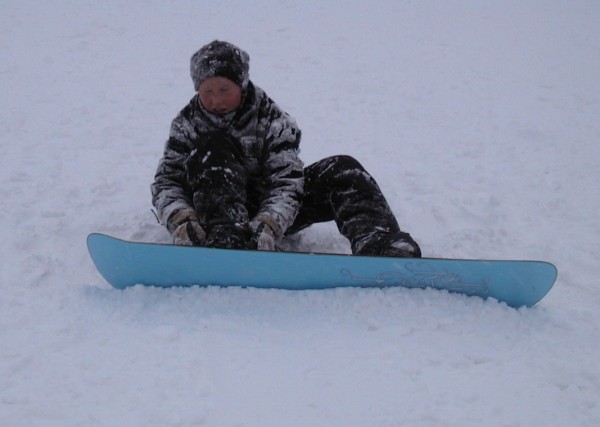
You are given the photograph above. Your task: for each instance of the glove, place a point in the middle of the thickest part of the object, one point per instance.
(189, 233)
(263, 236)
(186, 229)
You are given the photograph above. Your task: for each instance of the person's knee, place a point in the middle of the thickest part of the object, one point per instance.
(346, 162)
(334, 165)
(216, 161)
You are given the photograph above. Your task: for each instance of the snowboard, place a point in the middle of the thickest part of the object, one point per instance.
(124, 263)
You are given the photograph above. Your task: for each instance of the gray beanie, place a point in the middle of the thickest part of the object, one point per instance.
(220, 59)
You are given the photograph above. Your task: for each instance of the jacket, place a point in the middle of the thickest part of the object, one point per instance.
(270, 140)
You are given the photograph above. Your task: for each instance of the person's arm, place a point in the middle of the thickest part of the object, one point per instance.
(283, 172)
(170, 192)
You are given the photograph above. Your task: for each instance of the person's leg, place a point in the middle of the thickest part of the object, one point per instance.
(339, 188)
(217, 179)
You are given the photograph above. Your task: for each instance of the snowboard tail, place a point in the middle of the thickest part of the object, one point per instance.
(123, 264)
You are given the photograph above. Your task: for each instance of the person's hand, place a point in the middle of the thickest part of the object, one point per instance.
(189, 233)
(263, 236)
(186, 229)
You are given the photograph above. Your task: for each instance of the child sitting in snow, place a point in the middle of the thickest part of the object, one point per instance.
(230, 176)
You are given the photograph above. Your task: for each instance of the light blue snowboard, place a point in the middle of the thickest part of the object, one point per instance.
(123, 264)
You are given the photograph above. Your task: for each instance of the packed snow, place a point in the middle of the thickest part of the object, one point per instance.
(479, 120)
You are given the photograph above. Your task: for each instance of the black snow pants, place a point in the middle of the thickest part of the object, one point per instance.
(337, 188)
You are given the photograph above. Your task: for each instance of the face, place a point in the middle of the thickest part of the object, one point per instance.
(220, 95)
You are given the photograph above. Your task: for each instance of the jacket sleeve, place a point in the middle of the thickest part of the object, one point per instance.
(170, 191)
(283, 171)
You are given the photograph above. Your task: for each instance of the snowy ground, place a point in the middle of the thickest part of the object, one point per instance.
(481, 122)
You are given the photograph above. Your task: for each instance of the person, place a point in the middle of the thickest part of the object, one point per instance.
(231, 176)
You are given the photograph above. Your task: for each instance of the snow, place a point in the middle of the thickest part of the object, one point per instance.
(479, 120)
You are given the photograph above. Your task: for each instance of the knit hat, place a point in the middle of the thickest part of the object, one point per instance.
(220, 59)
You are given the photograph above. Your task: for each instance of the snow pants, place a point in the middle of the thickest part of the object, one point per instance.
(337, 188)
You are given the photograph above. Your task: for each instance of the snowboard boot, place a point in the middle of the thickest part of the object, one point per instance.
(398, 244)
(229, 235)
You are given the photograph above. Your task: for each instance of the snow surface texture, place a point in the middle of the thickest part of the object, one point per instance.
(480, 121)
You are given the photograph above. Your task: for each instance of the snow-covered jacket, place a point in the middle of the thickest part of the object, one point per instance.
(270, 139)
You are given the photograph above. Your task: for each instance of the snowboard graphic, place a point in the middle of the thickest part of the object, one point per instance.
(123, 263)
